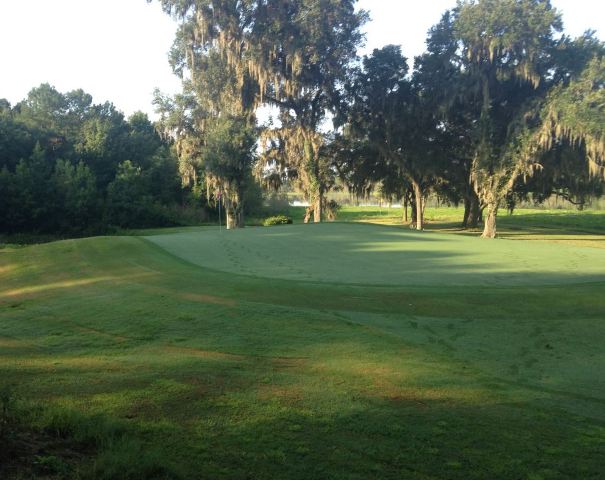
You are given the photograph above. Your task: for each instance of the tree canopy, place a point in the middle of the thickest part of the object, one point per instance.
(293, 56)
(502, 107)
(70, 166)
(499, 91)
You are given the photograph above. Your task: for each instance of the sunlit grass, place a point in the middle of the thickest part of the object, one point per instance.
(55, 286)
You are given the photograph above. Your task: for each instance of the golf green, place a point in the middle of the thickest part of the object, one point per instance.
(381, 255)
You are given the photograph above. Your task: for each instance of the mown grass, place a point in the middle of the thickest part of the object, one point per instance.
(346, 253)
(126, 361)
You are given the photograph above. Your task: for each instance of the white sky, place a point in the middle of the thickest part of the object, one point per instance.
(116, 50)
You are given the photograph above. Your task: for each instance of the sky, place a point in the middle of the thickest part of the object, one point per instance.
(116, 50)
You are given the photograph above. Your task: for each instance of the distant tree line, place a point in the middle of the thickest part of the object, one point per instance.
(502, 107)
(68, 165)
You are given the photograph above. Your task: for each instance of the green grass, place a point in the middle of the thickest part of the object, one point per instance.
(581, 228)
(379, 255)
(242, 355)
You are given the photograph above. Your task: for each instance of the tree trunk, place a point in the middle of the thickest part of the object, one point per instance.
(240, 207)
(475, 213)
(318, 208)
(405, 209)
(235, 215)
(230, 219)
(315, 189)
(240, 218)
(419, 205)
(235, 219)
(472, 211)
(412, 218)
(489, 230)
(308, 213)
(467, 213)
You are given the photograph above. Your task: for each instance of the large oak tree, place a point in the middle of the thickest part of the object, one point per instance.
(298, 55)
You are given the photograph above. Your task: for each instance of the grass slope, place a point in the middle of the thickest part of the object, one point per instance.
(152, 367)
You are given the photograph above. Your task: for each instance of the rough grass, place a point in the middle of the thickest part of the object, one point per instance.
(148, 366)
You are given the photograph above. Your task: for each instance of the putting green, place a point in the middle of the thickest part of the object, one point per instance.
(379, 255)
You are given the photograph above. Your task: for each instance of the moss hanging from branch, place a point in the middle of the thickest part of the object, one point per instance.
(576, 114)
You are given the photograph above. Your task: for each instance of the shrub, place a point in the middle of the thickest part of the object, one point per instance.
(277, 220)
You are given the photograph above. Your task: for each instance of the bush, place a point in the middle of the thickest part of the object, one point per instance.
(277, 220)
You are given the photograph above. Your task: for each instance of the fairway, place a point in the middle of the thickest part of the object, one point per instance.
(303, 352)
(381, 255)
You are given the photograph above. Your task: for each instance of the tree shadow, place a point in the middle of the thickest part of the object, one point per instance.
(255, 429)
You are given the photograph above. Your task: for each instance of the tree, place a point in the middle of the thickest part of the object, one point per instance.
(5, 106)
(8, 201)
(16, 140)
(228, 155)
(576, 113)
(443, 79)
(77, 199)
(59, 153)
(506, 45)
(44, 107)
(129, 203)
(392, 114)
(489, 68)
(214, 126)
(33, 205)
(142, 141)
(296, 54)
(568, 134)
(102, 142)
(564, 173)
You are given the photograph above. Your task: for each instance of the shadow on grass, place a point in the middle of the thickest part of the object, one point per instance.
(184, 414)
(282, 433)
(414, 439)
(60, 443)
